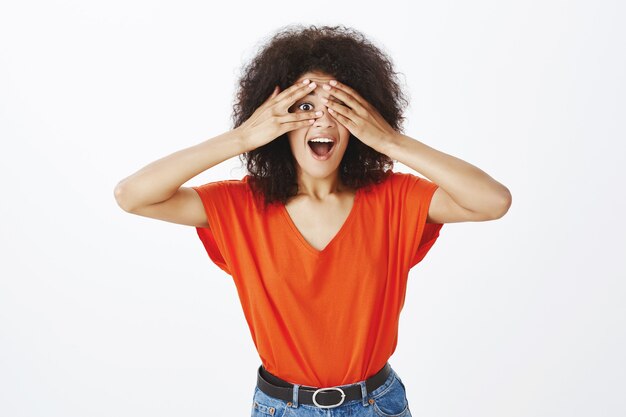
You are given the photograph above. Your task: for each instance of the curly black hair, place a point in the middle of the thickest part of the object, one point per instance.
(345, 54)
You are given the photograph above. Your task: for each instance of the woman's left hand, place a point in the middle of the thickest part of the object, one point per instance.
(359, 117)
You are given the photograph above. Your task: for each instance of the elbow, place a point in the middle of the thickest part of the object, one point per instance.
(503, 207)
(119, 195)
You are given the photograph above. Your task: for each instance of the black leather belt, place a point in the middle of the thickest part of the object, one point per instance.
(321, 397)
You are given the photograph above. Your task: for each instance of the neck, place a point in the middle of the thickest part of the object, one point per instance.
(320, 188)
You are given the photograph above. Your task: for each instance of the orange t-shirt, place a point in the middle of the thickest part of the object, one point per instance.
(330, 317)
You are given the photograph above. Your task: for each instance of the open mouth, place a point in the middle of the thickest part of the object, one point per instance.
(321, 147)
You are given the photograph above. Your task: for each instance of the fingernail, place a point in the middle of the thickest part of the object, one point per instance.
(326, 87)
(318, 113)
(306, 81)
(312, 85)
(333, 82)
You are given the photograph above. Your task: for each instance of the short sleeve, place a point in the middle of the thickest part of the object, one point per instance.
(214, 201)
(415, 195)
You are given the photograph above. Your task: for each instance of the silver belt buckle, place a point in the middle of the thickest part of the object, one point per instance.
(343, 397)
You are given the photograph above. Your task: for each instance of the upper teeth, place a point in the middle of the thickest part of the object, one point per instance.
(321, 140)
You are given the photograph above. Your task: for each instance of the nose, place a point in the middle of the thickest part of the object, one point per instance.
(325, 119)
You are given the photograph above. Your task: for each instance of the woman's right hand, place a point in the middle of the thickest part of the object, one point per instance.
(272, 118)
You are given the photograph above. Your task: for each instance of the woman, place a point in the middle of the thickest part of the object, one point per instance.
(319, 237)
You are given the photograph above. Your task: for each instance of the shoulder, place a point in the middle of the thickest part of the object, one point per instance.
(406, 182)
(229, 185)
(228, 192)
(409, 177)
(390, 185)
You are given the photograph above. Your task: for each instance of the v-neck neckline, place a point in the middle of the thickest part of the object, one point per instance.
(340, 232)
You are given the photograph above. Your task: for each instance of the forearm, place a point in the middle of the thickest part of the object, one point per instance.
(160, 179)
(467, 184)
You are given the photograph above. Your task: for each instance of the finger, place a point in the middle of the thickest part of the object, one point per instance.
(348, 99)
(309, 115)
(297, 93)
(341, 113)
(291, 89)
(288, 126)
(275, 92)
(335, 100)
(352, 92)
(349, 90)
(335, 107)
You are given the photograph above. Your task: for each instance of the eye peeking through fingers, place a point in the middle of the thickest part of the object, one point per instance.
(299, 106)
(305, 104)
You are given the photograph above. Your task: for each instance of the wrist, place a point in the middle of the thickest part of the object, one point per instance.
(242, 140)
(390, 144)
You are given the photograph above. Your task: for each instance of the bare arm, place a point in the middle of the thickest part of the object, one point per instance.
(156, 190)
(160, 181)
(465, 193)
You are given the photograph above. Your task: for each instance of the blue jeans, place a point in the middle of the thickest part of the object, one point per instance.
(388, 400)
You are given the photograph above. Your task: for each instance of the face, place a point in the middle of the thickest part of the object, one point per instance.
(324, 125)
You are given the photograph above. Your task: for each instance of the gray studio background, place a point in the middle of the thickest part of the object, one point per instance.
(104, 313)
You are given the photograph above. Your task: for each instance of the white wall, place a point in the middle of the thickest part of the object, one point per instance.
(103, 313)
